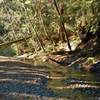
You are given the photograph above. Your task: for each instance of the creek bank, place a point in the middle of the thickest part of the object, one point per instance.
(61, 57)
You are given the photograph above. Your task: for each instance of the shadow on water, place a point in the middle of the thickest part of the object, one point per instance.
(29, 82)
(23, 80)
(81, 85)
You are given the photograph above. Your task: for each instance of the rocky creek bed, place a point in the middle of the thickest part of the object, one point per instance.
(22, 81)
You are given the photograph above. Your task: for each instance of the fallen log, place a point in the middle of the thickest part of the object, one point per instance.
(15, 41)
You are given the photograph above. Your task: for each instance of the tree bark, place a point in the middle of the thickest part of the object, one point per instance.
(62, 24)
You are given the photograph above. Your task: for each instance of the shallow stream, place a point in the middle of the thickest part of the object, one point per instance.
(48, 82)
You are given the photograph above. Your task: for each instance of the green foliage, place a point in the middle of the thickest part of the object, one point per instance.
(40, 18)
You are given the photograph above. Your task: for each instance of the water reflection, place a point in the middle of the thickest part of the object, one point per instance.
(77, 85)
(32, 81)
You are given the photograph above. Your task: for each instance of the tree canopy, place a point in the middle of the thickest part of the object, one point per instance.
(48, 20)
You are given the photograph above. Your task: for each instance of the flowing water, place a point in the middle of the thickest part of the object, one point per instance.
(47, 82)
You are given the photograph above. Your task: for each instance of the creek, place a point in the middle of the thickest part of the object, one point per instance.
(46, 81)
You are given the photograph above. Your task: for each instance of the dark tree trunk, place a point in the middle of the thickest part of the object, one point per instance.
(60, 12)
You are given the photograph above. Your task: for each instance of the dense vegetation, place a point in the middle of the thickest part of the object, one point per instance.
(40, 24)
(54, 49)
